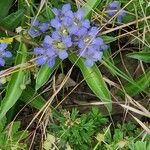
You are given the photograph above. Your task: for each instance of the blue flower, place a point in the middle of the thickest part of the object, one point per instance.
(65, 11)
(91, 55)
(59, 43)
(37, 28)
(45, 55)
(4, 53)
(73, 23)
(79, 25)
(113, 8)
(63, 16)
(91, 47)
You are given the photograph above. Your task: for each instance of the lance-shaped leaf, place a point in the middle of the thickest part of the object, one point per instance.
(44, 74)
(14, 88)
(94, 79)
(13, 20)
(89, 6)
(141, 84)
(30, 97)
(4, 7)
(143, 56)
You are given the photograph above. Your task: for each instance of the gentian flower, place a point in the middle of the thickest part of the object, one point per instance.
(113, 8)
(59, 43)
(63, 16)
(37, 28)
(45, 55)
(91, 47)
(91, 55)
(4, 53)
(79, 25)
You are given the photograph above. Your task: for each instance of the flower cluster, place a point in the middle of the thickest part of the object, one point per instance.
(4, 53)
(70, 30)
(113, 8)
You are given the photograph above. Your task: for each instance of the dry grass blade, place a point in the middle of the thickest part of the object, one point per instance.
(138, 105)
(135, 110)
(142, 125)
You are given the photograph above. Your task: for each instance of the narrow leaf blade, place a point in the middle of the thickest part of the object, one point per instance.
(143, 56)
(44, 74)
(94, 79)
(13, 90)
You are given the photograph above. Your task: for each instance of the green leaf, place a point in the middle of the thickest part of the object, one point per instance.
(115, 71)
(89, 6)
(140, 84)
(13, 20)
(2, 124)
(143, 56)
(44, 74)
(140, 145)
(108, 39)
(17, 79)
(4, 7)
(29, 96)
(15, 127)
(94, 79)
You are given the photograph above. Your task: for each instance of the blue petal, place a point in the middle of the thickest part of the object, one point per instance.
(80, 14)
(55, 23)
(62, 55)
(81, 44)
(104, 47)
(48, 40)
(119, 19)
(97, 55)
(82, 31)
(2, 62)
(67, 21)
(93, 31)
(67, 41)
(3, 46)
(33, 32)
(122, 13)
(111, 12)
(89, 63)
(83, 53)
(7, 54)
(51, 63)
(66, 8)
(34, 22)
(51, 52)
(44, 27)
(41, 60)
(39, 50)
(56, 35)
(114, 5)
(86, 23)
(69, 14)
(73, 29)
(98, 41)
(56, 11)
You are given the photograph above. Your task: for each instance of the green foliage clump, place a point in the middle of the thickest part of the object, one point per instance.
(11, 137)
(77, 130)
(124, 137)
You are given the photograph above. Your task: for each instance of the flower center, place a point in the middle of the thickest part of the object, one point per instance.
(77, 22)
(63, 30)
(58, 45)
(87, 40)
